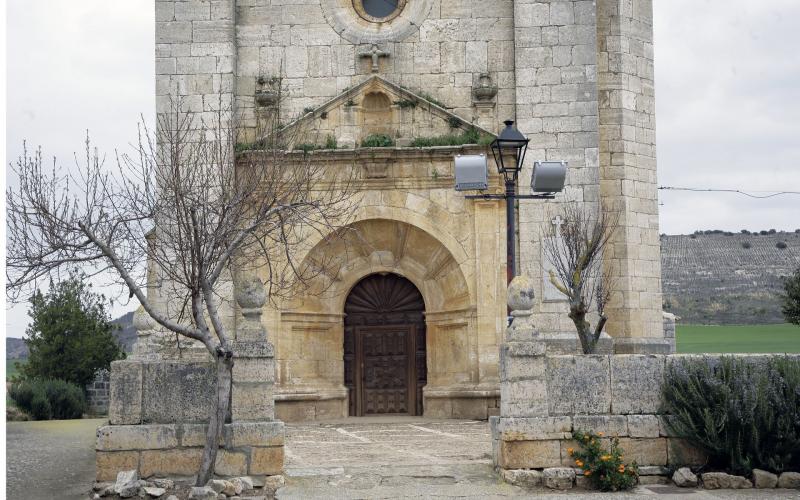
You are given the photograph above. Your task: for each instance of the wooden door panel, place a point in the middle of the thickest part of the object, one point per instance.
(386, 369)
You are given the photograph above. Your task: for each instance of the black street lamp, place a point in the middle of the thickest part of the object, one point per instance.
(509, 154)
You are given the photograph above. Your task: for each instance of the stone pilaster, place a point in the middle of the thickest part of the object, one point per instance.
(555, 45)
(628, 173)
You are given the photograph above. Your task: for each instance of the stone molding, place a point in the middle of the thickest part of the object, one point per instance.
(346, 21)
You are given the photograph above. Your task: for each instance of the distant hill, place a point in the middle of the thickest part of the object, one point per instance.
(715, 277)
(126, 337)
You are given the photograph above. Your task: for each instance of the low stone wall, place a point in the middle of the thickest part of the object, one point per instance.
(248, 448)
(545, 398)
(97, 393)
(158, 414)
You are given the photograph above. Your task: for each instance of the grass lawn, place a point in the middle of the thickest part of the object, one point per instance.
(744, 338)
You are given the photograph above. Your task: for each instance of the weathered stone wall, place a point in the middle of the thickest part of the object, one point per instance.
(97, 393)
(628, 172)
(546, 398)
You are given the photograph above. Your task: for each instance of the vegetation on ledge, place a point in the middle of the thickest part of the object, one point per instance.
(471, 136)
(377, 141)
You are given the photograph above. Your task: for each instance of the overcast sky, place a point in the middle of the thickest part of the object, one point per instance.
(727, 94)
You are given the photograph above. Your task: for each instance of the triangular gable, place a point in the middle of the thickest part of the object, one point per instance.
(374, 108)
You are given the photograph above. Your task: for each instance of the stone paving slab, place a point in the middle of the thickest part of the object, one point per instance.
(413, 457)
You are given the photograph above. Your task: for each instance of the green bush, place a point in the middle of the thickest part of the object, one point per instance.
(377, 141)
(744, 414)
(49, 399)
(470, 136)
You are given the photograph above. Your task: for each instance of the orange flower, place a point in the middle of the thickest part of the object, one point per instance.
(578, 463)
(600, 434)
(570, 451)
(621, 468)
(605, 457)
(587, 473)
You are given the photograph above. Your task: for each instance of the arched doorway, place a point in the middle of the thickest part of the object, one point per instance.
(384, 346)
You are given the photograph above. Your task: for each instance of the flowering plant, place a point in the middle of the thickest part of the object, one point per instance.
(605, 469)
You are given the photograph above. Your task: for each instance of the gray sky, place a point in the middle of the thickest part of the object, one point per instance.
(727, 96)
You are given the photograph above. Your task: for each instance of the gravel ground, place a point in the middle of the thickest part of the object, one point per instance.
(50, 459)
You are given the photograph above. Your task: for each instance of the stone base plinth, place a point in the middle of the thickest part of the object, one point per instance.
(162, 450)
(300, 404)
(477, 403)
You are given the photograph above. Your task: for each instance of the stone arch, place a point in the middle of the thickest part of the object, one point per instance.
(382, 245)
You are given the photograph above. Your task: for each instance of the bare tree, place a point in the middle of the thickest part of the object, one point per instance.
(575, 250)
(197, 207)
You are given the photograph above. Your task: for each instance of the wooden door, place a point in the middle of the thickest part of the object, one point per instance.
(384, 346)
(386, 369)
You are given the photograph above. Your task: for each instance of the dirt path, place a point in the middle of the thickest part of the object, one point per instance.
(50, 459)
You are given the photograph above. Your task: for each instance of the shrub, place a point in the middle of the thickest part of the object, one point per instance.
(744, 415)
(46, 399)
(471, 136)
(781, 245)
(377, 141)
(330, 142)
(605, 469)
(746, 244)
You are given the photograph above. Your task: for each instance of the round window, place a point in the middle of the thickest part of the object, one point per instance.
(378, 10)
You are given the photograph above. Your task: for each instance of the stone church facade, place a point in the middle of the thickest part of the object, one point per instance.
(413, 321)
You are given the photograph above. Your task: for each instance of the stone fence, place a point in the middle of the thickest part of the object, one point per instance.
(545, 398)
(97, 393)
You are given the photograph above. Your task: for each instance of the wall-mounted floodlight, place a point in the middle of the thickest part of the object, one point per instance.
(471, 173)
(548, 176)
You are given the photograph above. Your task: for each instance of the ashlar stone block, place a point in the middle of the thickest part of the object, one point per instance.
(578, 385)
(536, 428)
(636, 383)
(529, 454)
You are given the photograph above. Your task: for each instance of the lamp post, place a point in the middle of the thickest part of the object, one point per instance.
(509, 154)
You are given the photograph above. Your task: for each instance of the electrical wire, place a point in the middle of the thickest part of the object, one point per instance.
(737, 191)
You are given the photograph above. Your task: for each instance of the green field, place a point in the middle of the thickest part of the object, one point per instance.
(745, 338)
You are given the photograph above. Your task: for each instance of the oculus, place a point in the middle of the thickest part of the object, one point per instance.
(378, 11)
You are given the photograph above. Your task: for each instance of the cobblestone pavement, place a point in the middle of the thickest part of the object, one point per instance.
(412, 457)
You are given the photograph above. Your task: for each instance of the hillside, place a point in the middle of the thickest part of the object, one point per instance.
(126, 336)
(724, 278)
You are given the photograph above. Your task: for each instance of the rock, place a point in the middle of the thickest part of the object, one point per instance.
(218, 485)
(254, 498)
(685, 478)
(522, 477)
(101, 487)
(558, 478)
(232, 488)
(127, 484)
(720, 480)
(790, 480)
(764, 479)
(272, 483)
(167, 484)
(202, 493)
(95, 496)
(154, 491)
(172, 497)
(246, 482)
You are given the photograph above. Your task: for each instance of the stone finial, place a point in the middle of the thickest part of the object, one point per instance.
(142, 321)
(521, 297)
(251, 297)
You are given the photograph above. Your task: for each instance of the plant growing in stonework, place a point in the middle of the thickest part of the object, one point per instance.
(605, 468)
(575, 250)
(180, 218)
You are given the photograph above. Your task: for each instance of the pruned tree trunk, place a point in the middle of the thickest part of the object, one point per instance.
(216, 422)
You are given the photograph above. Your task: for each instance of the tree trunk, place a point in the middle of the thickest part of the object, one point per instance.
(584, 329)
(217, 419)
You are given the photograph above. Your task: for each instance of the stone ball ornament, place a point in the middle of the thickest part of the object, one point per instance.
(521, 294)
(142, 321)
(250, 293)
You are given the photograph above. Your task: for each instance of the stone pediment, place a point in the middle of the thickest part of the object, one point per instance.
(376, 109)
